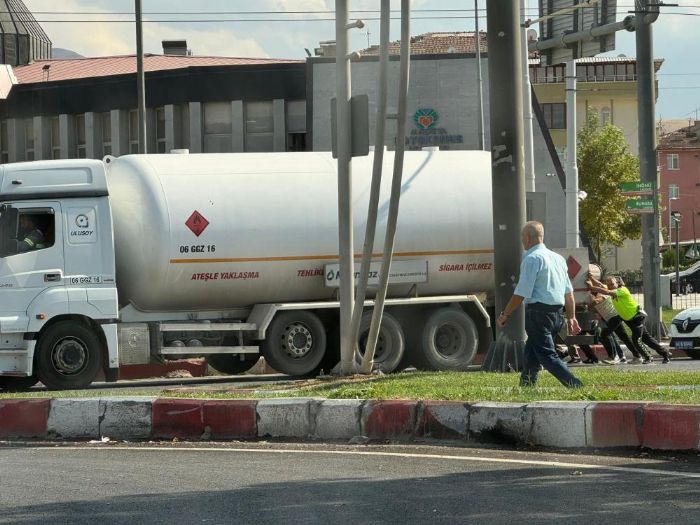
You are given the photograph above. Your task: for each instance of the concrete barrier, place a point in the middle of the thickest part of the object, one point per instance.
(338, 419)
(75, 418)
(230, 419)
(557, 424)
(24, 418)
(499, 422)
(389, 419)
(288, 418)
(442, 420)
(126, 418)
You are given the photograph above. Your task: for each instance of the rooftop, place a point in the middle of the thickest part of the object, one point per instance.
(684, 138)
(436, 44)
(77, 68)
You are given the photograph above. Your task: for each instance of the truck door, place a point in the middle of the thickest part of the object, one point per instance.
(31, 260)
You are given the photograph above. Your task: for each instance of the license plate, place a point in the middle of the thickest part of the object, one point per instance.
(683, 343)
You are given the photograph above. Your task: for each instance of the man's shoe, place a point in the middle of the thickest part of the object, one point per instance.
(615, 361)
(637, 360)
(575, 360)
(648, 361)
(666, 359)
(623, 360)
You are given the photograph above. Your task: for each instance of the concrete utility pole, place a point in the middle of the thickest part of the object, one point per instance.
(395, 196)
(345, 233)
(527, 107)
(508, 183)
(645, 15)
(572, 232)
(140, 79)
(375, 186)
(479, 82)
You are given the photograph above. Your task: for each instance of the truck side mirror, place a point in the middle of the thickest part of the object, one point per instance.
(9, 219)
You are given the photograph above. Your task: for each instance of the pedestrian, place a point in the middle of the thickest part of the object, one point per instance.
(633, 316)
(613, 325)
(546, 290)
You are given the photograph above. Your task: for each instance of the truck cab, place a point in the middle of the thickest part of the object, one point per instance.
(58, 297)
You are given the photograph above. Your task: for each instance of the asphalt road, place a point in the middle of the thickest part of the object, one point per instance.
(294, 483)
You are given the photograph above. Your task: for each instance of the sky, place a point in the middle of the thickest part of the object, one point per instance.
(284, 28)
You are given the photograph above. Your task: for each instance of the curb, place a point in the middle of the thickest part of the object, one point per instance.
(551, 424)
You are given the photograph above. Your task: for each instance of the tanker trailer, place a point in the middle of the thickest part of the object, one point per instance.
(230, 256)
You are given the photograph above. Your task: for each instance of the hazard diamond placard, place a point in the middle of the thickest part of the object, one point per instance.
(197, 223)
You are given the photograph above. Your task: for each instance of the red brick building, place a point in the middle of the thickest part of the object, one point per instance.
(678, 156)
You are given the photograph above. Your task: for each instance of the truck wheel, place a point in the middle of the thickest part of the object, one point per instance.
(67, 356)
(232, 364)
(693, 354)
(17, 384)
(295, 343)
(391, 343)
(449, 341)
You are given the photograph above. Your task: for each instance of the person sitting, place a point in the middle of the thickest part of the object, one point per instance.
(30, 236)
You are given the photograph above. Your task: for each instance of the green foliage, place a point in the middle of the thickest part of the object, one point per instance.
(604, 161)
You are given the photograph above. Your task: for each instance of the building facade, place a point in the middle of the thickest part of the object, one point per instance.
(87, 107)
(678, 158)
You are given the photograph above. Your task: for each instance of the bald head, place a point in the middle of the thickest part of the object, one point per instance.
(532, 233)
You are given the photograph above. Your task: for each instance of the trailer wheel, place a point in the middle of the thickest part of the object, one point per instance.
(295, 342)
(232, 364)
(449, 341)
(391, 343)
(67, 356)
(17, 384)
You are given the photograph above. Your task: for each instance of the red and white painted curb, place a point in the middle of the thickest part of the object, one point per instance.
(552, 424)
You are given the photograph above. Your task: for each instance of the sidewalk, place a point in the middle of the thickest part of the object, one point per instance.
(551, 424)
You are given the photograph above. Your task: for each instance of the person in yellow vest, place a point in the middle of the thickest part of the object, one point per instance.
(30, 236)
(631, 313)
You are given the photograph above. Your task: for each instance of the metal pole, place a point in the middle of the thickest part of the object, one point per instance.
(345, 240)
(565, 39)
(508, 179)
(395, 188)
(647, 146)
(572, 233)
(481, 139)
(527, 108)
(678, 256)
(378, 161)
(140, 79)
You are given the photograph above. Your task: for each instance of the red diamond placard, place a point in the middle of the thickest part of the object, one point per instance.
(573, 266)
(197, 223)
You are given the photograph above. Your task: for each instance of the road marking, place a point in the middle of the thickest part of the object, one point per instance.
(478, 459)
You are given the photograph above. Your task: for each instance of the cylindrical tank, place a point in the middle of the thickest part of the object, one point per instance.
(220, 231)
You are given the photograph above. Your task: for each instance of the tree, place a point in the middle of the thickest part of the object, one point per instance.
(604, 161)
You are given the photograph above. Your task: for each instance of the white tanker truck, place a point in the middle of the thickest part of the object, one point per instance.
(229, 256)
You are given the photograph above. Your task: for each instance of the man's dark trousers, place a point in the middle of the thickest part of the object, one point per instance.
(542, 323)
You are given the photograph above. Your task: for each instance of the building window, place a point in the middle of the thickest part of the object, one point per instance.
(29, 139)
(217, 127)
(672, 161)
(80, 143)
(4, 150)
(160, 130)
(133, 131)
(605, 116)
(295, 124)
(55, 138)
(259, 126)
(106, 120)
(554, 115)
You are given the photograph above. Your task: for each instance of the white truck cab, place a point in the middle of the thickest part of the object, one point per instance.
(57, 286)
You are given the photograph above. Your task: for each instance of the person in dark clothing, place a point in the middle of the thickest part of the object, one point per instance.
(632, 315)
(612, 325)
(30, 236)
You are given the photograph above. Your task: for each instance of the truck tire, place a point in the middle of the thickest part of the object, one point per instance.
(295, 343)
(693, 354)
(449, 341)
(67, 356)
(17, 384)
(391, 343)
(232, 364)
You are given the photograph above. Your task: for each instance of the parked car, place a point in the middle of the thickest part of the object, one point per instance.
(685, 332)
(689, 279)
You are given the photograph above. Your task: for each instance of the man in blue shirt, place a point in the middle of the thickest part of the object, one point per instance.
(545, 288)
